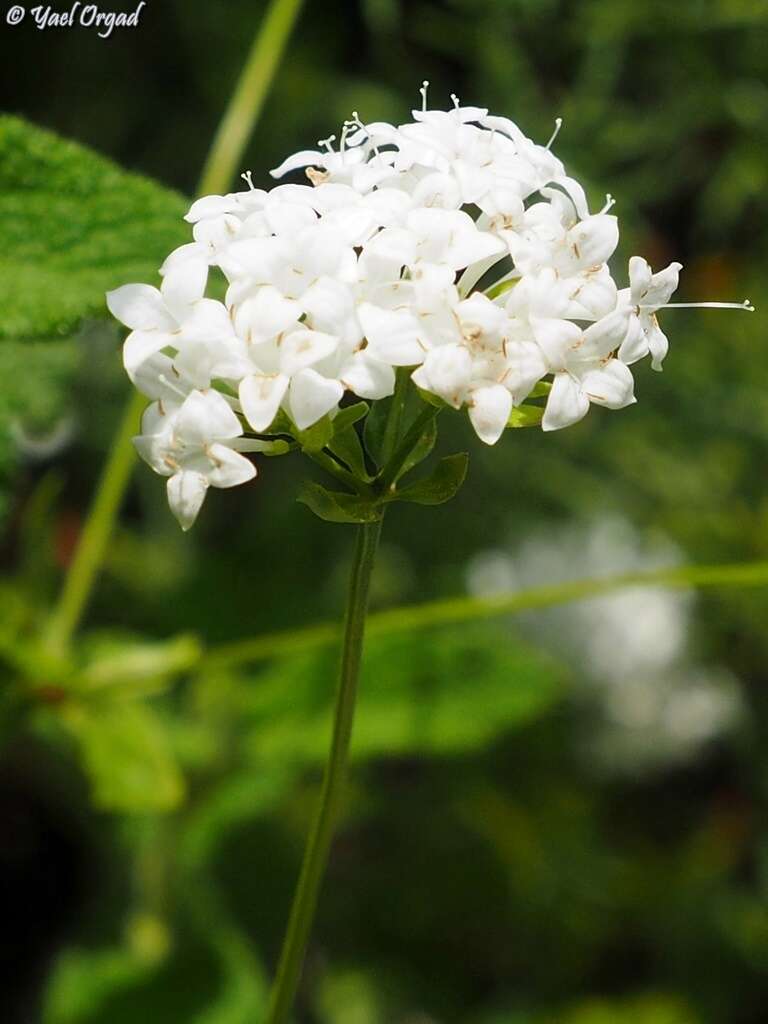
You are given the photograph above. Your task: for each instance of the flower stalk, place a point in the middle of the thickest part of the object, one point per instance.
(318, 845)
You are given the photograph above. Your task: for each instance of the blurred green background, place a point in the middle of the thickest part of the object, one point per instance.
(554, 819)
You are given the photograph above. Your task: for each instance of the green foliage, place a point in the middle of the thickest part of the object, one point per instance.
(422, 449)
(443, 694)
(84, 980)
(651, 1009)
(337, 507)
(375, 427)
(74, 225)
(119, 664)
(526, 416)
(440, 486)
(126, 752)
(346, 440)
(316, 437)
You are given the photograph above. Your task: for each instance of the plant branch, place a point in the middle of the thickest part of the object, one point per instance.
(452, 611)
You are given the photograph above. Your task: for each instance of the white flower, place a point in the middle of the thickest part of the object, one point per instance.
(196, 445)
(648, 293)
(452, 244)
(157, 317)
(282, 370)
(585, 368)
(486, 368)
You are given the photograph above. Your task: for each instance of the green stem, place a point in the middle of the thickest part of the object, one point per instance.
(226, 150)
(456, 610)
(97, 529)
(318, 846)
(248, 98)
(398, 459)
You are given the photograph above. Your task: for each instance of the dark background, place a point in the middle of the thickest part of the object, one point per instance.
(593, 851)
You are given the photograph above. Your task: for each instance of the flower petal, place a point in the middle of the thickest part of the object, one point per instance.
(367, 377)
(260, 397)
(393, 335)
(228, 468)
(312, 396)
(447, 372)
(140, 346)
(185, 273)
(489, 409)
(140, 307)
(206, 416)
(567, 403)
(611, 386)
(303, 348)
(186, 494)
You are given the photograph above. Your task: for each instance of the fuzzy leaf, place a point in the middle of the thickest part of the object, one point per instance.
(73, 225)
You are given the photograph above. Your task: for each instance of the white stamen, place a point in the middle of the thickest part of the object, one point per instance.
(609, 202)
(423, 91)
(746, 304)
(555, 133)
(172, 387)
(357, 123)
(247, 177)
(326, 143)
(455, 100)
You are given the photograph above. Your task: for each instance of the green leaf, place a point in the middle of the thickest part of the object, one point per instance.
(336, 507)
(316, 437)
(502, 287)
(441, 692)
(422, 449)
(346, 441)
(350, 414)
(72, 226)
(126, 753)
(440, 486)
(349, 449)
(526, 416)
(375, 427)
(116, 662)
(83, 981)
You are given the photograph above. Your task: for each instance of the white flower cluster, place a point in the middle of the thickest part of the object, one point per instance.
(452, 245)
